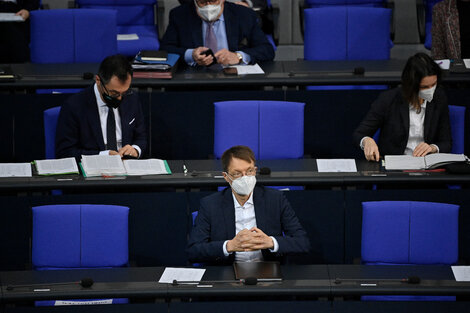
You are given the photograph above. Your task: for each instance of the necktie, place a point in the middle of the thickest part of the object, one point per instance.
(211, 40)
(111, 131)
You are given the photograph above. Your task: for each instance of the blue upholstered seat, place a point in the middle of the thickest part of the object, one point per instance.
(133, 17)
(79, 236)
(409, 232)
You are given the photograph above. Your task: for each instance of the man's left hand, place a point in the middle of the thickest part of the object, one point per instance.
(128, 150)
(259, 241)
(226, 57)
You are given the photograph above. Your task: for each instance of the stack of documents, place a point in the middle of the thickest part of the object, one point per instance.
(56, 167)
(15, 170)
(112, 165)
(430, 161)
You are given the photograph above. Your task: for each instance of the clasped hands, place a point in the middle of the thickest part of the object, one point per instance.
(127, 150)
(371, 150)
(223, 57)
(250, 240)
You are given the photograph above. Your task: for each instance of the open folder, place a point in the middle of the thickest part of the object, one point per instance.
(259, 270)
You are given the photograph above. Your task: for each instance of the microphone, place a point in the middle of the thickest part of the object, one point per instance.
(249, 281)
(264, 171)
(407, 280)
(84, 282)
(88, 75)
(359, 70)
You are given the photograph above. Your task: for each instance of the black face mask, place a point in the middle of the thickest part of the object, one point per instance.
(111, 101)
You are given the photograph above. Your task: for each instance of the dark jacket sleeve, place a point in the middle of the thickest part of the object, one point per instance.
(374, 119)
(67, 139)
(171, 41)
(200, 247)
(139, 136)
(29, 5)
(294, 240)
(259, 48)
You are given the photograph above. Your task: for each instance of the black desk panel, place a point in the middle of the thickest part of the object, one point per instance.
(280, 73)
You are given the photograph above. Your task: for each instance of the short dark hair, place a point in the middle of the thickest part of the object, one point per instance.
(417, 67)
(240, 152)
(115, 65)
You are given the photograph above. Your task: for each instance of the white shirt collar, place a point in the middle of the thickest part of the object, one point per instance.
(238, 206)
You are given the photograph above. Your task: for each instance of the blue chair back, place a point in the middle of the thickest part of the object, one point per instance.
(72, 35)
(457, 127)
(272, 129)
(409, 232)
(79, 236)
(345, 33)
(133, 17)
(50, 124)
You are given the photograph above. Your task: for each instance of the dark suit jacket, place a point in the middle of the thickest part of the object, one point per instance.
(243, 32)
(215, 223)
(79, 129)
(390, 113)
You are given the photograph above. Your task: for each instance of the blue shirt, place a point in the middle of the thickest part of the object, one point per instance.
(222, 43)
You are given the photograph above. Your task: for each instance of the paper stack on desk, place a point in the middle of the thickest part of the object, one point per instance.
(57, 167)
(15, 170)
(430, 161)
(112, 165)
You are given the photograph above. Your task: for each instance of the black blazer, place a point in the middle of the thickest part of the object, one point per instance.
(79, 129)
(243, 32)
(215, 223)
(390, 113)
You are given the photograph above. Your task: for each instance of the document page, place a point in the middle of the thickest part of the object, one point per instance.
(59, 166)
(404, 162)
(95, 165)
(15, 170)
(443, 64)
(461, 273)
(127, 37)
(467, 63)
(443, 158)
(248, 69)
(146, 167)
(336, 165)
(10, 17)
(182, 274)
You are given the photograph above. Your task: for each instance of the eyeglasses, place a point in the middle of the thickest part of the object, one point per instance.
(114, 93)
(205, 2)
(249, 172)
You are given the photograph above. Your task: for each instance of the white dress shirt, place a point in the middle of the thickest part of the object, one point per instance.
(245, 219)
(416, 132)
(103, 111)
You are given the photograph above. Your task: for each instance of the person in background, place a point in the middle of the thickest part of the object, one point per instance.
(413, 119)
(245, 223)
(451, 30)
(231, 31)
(105, 118)
(14, 36)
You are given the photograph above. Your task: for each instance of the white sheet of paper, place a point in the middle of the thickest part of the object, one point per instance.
(15, 170)
(461, 273)
(10, 17)
(127, 37)
(336, 165)
(145, 167)
(248, 69)
(467, 63)
(443, 64)
(181, 274)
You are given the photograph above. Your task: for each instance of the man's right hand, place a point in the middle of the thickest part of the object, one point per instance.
(371, 150)
(236, 244)
(202, 59)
